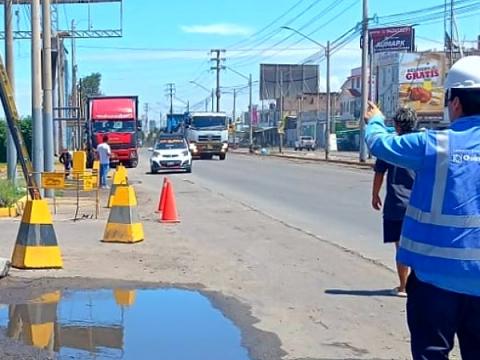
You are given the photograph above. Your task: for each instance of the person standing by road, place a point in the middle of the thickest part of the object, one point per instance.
(440, 238)
(104, 152)
(399, 186)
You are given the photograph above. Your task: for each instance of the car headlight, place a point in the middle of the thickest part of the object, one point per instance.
(185, 153)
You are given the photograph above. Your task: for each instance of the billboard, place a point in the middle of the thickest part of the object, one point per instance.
(289, 80)
(421, 77)
(392, 39)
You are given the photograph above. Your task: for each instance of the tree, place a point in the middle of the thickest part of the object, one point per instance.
(90, 85)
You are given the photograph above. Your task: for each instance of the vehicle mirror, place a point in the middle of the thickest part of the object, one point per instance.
(150, 149)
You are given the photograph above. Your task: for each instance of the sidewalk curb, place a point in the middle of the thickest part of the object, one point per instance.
(294, 157)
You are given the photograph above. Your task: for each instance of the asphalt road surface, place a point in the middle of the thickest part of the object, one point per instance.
(331, 201)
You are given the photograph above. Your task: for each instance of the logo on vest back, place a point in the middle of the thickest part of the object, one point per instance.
(459, 157)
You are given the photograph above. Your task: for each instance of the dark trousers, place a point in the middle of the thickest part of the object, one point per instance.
(435, 316)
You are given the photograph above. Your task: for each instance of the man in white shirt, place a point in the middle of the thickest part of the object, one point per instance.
(104, 152)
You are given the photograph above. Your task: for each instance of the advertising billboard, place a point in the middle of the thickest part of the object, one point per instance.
(421, 78)
(289, 80)
(392, 39)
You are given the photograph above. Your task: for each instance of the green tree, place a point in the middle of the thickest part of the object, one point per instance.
(90, 86)
(26, 130)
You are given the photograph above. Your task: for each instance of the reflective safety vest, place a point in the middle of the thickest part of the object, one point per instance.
(441, 229)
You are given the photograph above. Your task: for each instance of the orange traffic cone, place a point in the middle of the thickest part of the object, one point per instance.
(161, 202)
(169, 211)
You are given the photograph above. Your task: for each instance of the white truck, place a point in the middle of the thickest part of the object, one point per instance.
(207, 134)
(305, 142)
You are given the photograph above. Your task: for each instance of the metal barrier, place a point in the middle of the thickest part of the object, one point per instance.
(70, 189)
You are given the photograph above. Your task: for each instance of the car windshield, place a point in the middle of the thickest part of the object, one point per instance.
(113, 126)
(170, 144)
(209, 122)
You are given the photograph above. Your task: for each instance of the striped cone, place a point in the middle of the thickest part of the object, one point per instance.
(120, 177)
(36, 246)
(34, 323)
(123, 224)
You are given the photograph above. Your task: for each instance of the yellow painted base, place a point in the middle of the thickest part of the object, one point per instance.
(36, 257)
(39, 335)
(8, 212)
(48, 298)
(124, 233)
(124, 297)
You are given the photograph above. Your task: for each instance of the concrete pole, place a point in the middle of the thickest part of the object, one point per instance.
(74, 78)
(61, 92)
(9, 57)
(37, 125)
(234, 117)
(47, 92)
(363, 147)
(213, 100)
(250, 109)
(327, 124)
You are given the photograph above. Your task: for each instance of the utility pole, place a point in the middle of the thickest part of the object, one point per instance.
(250, 108)
(234, 116)
(213, 100)
(363, 147)
(61, 90)
(218, 60)
(9, 57)
(280, 144)
(171, 94)
(37, 126)
(327, 124)
(47, 91)
(73, 101)
(451, 33)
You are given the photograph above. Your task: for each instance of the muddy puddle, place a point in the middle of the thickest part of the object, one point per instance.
(123, 324)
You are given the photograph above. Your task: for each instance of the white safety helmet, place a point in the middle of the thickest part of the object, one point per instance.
(464, 74)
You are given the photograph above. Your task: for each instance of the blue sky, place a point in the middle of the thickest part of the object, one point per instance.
(147, 56)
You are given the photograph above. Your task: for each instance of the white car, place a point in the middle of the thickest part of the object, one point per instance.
(170, 153)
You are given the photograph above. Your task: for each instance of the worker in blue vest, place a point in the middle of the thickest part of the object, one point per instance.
(440, 238)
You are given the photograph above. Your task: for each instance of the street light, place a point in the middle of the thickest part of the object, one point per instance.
(207, 90)
(326, 49)
(249, 78)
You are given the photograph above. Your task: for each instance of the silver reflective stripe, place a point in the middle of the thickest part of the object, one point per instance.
(459, 221)
(440, 252)
(441, 172)
(435, 216)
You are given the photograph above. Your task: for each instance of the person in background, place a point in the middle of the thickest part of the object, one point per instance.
(66, 159)
(440, 238)
(399, 186)
(103, 153)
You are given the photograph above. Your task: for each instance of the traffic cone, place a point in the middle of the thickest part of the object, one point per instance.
(161, 202)
(123, 224)
(120, 177)
(169, 211)
(36, 246)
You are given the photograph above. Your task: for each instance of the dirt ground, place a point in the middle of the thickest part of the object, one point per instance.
(294, 295)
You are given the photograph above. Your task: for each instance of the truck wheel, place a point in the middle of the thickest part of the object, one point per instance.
(222, 156)
(133, 163)
(295, 148)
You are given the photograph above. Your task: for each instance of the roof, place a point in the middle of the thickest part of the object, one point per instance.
(354, 92)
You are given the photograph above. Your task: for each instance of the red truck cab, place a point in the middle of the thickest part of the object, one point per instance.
(116, 117)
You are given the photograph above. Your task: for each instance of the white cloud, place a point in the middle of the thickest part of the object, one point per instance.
(217, 29)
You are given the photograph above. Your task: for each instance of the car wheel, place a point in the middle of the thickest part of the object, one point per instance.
(153, 171)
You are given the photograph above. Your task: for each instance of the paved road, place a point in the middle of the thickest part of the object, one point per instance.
(330, 201)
